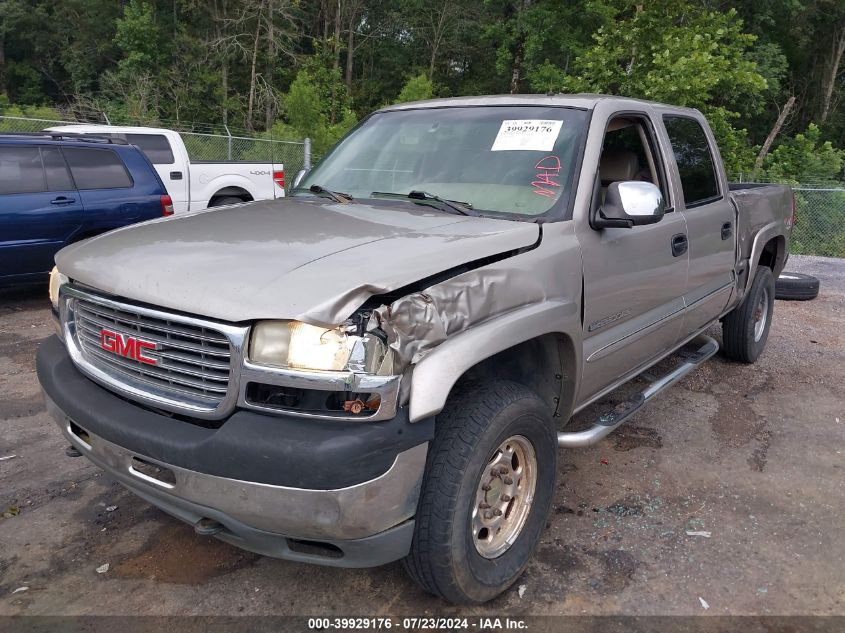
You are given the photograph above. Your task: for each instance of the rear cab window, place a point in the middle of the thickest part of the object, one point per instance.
(97, 168)
(155, 146)
(694, 157)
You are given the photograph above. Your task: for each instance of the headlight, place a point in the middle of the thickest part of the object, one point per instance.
(57, 280)
(299, 345)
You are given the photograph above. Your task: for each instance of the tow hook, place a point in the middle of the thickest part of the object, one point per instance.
(72, 451)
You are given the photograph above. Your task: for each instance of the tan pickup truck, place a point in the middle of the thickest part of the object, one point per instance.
(382, 365)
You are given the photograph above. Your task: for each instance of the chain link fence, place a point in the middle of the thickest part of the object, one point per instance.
(819, 221)
(203, 142)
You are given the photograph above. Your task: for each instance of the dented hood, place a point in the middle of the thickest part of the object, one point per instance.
(307, 259)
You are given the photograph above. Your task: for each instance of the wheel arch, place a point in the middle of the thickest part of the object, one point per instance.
(509, 346)
(231, 191)
(773, 254)
(770, 250)
(544, 364)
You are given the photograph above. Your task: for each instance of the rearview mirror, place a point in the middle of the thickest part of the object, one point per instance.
(630, 203)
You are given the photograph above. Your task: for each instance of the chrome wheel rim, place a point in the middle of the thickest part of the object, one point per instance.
(761, 313)
(504, 496)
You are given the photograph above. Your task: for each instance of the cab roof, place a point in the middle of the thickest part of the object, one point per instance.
(93, 128)
(584, 101)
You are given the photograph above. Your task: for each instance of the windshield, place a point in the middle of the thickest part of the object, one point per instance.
(516, 160)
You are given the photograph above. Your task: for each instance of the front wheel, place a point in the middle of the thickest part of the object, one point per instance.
(486, 495)
(746, 329)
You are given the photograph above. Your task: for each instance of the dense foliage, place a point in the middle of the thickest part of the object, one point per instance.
(293, 68)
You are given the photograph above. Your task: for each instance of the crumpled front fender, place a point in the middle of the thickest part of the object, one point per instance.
(436, 374)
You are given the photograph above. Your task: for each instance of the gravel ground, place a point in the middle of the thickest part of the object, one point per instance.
(751, 456)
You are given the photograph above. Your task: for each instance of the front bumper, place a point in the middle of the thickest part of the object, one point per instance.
(239, 475)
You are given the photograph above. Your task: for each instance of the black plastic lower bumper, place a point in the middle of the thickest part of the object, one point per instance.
(331, 493)
(270, 449)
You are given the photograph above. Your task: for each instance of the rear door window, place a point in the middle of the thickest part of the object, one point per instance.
(55, 168)
(96, 168)
(21, 170)
(694, 158)
(155, 146)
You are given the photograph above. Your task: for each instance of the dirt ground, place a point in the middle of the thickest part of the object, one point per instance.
(749, 455)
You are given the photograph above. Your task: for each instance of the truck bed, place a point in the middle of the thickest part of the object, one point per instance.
(758, 207)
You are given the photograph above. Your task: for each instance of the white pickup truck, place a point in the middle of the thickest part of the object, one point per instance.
(193, 184)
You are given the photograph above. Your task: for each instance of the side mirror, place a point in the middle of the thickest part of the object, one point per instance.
(299, 176)
(630, 203)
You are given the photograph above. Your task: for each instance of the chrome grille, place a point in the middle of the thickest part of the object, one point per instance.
(188, 363)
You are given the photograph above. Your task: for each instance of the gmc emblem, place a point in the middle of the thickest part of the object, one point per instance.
(127, 346)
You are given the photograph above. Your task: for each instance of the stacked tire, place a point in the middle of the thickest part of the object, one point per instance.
(796, 287)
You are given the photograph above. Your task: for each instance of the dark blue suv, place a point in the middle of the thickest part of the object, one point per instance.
(55, 190)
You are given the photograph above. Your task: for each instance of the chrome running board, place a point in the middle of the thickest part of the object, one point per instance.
(610, 421)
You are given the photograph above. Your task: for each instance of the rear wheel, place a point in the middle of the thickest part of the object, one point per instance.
(746, 329)
(486, 495)
(221, 202)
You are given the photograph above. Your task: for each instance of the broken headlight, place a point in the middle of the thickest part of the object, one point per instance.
(57, 280)
(299, 345)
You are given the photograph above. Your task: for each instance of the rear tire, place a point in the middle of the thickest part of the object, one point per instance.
(796, 287)
(221, 202)
(746, 328)
(460, 550)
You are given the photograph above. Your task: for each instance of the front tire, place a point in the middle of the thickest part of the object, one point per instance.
(486, 495)
(746, 329)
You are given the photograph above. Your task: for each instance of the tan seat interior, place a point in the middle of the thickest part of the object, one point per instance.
(617, 165)
(632, 161)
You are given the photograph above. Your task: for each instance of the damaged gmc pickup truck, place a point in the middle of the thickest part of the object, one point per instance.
(386, 373)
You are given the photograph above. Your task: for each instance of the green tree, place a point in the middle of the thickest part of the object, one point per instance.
(805, 158)
(672, 51)
(83, 44)
(416, 88)
(327, 80)
(676, 52)
(306, 116)
(536, 41)
(22, 68)
(235, 62)
(134, 86)
(302, 105)
(139, 38)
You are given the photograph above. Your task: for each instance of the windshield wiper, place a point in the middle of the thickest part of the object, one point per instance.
(464, 208)
(337, 196)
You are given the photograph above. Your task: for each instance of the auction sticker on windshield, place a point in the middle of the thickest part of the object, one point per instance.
(534, 135)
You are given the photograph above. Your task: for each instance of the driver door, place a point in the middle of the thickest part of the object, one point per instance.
(634, 278)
